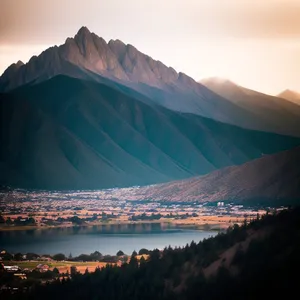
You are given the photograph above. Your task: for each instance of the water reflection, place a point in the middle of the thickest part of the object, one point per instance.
(107, 238)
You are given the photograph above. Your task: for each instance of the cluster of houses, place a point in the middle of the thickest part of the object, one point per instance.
(18, 271)
(40, 267)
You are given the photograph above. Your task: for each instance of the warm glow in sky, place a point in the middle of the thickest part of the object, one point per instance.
(255, 43)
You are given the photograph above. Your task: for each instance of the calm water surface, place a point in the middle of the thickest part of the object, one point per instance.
(106, 239)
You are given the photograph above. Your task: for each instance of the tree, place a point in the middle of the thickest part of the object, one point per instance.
(133, 261)
(142, 261)
(31, 221)
(134, 253)
(2, 221)
(73, 270)
(76, 220)
(120, 253)
(96, 255)
(59, 256)
(7, 256)
(144, 251)
(154, 255)
(55, 271)
(18, 256)
(9, 221)
(32, 256)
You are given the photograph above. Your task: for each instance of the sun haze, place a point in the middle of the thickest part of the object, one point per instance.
(254, 43)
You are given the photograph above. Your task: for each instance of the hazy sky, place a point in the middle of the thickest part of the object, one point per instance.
(255, 43)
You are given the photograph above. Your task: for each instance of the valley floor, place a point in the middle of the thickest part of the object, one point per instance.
(205, 222)
(23, 210)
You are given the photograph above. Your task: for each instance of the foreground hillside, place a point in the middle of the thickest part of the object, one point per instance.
(256, 261)
(67, 133)
(271, 179)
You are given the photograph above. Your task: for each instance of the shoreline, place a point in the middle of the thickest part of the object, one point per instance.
(187, 225)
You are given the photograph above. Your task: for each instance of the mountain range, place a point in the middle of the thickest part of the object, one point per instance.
(281, 113)
(88, 56)
(72, 133)
(90, 114)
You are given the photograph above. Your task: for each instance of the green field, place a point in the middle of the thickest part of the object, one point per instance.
(52, 264)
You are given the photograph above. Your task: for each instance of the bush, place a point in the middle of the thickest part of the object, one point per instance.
(59, 256)
(120, 253)
(144, 251)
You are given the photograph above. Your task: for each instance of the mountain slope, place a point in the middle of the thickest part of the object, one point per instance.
(70, 133)
(291, 96)
(279, 113)
(121, 66)
(273, 179)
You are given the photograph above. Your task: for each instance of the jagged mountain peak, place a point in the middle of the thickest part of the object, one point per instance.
(12, 69)
(83, 34)
(83, 31)
(19, 63)
(87, 50)
(117, 41)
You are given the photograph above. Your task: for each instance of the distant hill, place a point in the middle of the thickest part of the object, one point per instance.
(281, 113)
(291, 96)
(67, 133)
(271, 179)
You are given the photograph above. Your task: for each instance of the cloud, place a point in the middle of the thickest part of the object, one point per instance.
(35, 21)
(272, 19)
(229, 38)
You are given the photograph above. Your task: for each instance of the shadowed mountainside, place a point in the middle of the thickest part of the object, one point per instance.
(67, 133)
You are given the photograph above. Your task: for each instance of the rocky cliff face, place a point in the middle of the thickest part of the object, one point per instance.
(89, 51)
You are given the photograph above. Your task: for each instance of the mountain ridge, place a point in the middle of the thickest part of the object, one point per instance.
(68, 133)
(88, 56)
(283, 114)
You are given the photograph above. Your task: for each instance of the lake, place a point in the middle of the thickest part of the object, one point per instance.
(107, 239)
